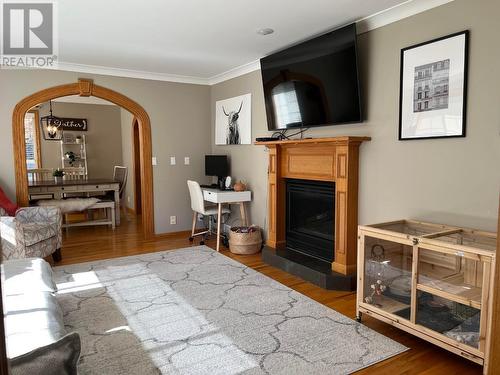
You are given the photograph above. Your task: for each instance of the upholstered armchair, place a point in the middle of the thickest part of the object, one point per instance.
(33, 232)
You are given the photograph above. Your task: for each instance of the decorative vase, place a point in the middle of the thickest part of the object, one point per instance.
(239, 186)
(58, 179)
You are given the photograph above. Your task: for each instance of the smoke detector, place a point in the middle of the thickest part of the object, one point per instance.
(265, 31)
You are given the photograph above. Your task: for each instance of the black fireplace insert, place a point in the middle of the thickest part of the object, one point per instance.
(310, 218)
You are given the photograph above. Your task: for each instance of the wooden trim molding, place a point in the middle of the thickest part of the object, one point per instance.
(136, 167)
(168, 235)
(492, 360)
(85, 87)
(36, 120)
(332, 140)
(320, 159)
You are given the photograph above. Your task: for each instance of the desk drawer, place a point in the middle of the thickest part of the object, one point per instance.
(34, 190)
(215, 196)
(64, 188)
(99, 187)
(210, 196)
(235, 196)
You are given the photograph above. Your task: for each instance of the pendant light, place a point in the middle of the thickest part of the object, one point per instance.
(51, 126)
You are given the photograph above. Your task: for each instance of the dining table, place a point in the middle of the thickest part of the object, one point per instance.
(59, 188)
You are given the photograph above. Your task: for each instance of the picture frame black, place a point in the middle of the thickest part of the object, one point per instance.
(463, 101)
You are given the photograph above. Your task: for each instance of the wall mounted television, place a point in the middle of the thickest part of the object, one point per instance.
(314, 83)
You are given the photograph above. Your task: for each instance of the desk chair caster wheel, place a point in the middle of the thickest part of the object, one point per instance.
(202, 242)
(191, 239)
(225, 241)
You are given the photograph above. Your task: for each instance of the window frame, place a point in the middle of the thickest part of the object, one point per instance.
(38, 143)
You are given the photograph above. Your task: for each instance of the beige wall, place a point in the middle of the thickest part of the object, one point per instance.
(180, 120)
(454, 181)
(104, 124)
(127, 155)
(248, 162)
(449, 180)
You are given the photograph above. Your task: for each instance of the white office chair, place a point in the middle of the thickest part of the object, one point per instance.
(198, 207)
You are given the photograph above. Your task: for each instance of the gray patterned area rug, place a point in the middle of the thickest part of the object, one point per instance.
(195, 311)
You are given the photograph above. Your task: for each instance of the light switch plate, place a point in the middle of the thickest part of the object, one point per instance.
(154, 161)
(173, 220)
(186, 160)
(172, 160)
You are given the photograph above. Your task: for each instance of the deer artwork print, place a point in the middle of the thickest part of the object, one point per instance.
(233, 131)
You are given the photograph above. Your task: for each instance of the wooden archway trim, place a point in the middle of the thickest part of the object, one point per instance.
(86, 87)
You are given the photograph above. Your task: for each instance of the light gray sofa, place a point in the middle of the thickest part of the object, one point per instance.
(37, 341)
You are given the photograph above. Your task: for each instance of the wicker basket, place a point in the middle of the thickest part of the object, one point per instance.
(245, 243)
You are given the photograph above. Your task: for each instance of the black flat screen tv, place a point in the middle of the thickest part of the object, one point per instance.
(314, 83)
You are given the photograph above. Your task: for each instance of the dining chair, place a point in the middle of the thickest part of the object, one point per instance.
(74, 173)
(120, 174)
(40, 174)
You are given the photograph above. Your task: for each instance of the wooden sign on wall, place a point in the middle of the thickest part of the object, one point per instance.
(75, 124)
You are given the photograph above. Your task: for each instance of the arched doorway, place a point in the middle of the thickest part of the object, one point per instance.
(86, 87)
(136, 149)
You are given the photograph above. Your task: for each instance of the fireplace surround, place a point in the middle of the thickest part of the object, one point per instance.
(331, 160)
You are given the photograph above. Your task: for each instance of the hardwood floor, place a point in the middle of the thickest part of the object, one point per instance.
(95, 243)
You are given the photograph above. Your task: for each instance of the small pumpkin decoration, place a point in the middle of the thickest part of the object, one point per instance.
(239, 186)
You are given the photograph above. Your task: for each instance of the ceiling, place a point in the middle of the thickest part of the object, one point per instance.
(82, 100)
(194, 39)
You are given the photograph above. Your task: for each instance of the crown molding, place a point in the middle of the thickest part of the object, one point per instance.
(385, 17)
(396, 13)
(235, 72)
(130, 73)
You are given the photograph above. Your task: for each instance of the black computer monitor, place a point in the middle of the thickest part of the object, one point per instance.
(216, 165)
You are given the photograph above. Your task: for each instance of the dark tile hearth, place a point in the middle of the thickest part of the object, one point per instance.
(310, 269)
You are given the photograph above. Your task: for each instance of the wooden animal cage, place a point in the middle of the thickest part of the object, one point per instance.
(431, 280)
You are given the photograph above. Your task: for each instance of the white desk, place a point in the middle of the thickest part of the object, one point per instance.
(221, 197)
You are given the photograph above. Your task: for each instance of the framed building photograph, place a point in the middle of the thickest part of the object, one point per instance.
(433, 88)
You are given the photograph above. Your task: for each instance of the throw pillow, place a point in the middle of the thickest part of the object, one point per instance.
(60, 357)
(7, 204)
